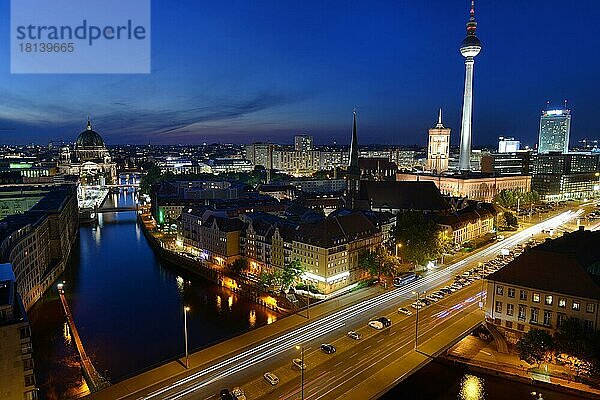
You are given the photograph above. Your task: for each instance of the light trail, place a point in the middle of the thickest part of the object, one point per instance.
(338, 319)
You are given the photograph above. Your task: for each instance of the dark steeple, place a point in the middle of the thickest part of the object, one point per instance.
(353, 171)
(353, 168)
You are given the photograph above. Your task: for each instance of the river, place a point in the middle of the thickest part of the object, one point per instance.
(128, 307)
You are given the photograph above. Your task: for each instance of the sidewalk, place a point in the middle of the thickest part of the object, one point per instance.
(482, 356)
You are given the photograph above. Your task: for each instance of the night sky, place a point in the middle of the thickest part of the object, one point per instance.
(243, 71)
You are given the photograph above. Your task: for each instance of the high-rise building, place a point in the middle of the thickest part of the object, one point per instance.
(438, 149)
(508, 145)
(303, 143)
(469, 48)
(260, 154)
(555, 128)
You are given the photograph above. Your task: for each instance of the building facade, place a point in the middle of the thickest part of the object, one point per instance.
(438, 147)
(17, 379)
(555, 129)
(479, 187)
(546, 285)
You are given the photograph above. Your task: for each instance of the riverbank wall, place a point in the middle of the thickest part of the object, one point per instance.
(204, 270)
(539, 380)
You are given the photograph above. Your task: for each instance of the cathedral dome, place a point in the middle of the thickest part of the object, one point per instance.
(89, 138)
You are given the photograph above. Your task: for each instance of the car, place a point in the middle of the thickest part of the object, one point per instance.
(426, 301)
(354, 335)
(447, 290)
(238, 393)
(225, 395)
(431, 298)
(327, 348)
(271, 378)
(297, 362)
(405, 311)
(376, 325)
(385, 321)
(417, 305)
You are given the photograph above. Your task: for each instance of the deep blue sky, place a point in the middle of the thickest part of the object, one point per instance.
(242, 71)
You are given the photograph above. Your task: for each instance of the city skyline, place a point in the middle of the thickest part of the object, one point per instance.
(397, 65)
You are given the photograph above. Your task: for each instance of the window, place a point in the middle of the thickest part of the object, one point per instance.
(534, 315)
(27, 364)
(562, 303)
(510, 309)
(25, 332)
(560, 318)
(535, 298)
(499, 290)
(588, 325)
(509, 324)
(522, 312)
(29, 380)
(576, 305)
(523, 295)
(499, 307)
(26, 348)
(548, 300)
(547, 317)
(511, 293)
(590, 307)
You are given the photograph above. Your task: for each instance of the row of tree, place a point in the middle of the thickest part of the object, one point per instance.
(510, 198)
(419, 238)
(571, 345)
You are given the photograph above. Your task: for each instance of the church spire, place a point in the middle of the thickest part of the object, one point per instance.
(89, 124)
(353, 162)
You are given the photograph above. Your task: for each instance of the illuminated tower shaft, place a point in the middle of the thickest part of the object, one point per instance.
(464, 162)
(469, 48)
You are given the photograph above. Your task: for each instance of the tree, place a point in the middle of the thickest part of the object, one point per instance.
(291, 272)
(506, 198)
(377, 263)
(420, 237)
(152, 176)
(238, 266)
(510, 221)
(535, 346)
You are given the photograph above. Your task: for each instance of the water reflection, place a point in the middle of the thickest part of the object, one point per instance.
(230, 302)
(472, 388)
(252, 318)
(271, 319)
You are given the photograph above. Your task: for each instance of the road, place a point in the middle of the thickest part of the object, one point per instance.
(240, 367)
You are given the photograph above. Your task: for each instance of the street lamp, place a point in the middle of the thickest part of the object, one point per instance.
(301, 348)
(185, 333)
(417, 294)
(398, 245)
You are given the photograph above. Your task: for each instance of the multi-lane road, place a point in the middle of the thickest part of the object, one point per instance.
(247, 366)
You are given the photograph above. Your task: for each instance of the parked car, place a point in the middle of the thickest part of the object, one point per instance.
(376, 325)
(405, 311)
(225, 395)
(297, 362)
(327, 348)
(385, 321)
(271, 378)
(354, 335)
(417, 305)
(238, 393)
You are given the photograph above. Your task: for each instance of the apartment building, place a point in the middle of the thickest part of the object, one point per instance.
(469, 223)
(546, 285)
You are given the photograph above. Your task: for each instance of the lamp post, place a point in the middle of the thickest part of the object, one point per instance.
(417, 294)
(185, 333)
(301, 348)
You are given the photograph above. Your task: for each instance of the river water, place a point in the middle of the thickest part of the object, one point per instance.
(128, 307)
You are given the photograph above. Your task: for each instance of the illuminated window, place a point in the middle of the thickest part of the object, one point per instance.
(548, 300)
(499, 307)
(535, 298)
(576, 305)
(510, 309)
(499, 290)
(590, 307)
(523, 295)
(511, 292)
(562, 303)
